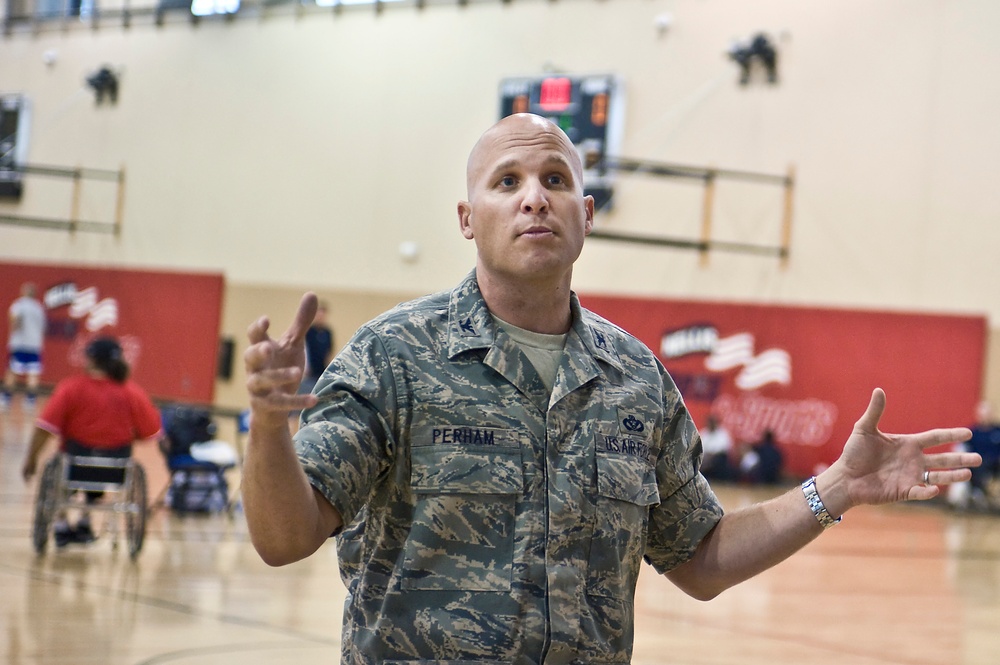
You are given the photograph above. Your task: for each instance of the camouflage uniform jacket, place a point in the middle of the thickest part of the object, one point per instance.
(488, 522)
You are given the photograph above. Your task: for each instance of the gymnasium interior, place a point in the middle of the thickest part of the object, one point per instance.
(795, 205)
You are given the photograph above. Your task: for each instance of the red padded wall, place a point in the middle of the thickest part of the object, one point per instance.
(808, 373)
(168, 322)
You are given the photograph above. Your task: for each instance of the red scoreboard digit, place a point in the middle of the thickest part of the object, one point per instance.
(588, 108)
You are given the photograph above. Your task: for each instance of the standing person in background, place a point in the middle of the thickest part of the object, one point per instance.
(24, 346)
(99, 413)
(497, 461)
(319, 349)
(985, 441)
(762, 462)
(978, 492)
(717, 445)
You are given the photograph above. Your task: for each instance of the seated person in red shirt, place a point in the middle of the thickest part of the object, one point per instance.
(99, 413)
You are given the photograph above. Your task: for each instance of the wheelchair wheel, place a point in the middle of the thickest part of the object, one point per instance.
(46, 501)
(135, 518)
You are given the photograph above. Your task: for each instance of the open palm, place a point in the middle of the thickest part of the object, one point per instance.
(884, 468)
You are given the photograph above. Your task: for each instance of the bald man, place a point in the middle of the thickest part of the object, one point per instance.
(496, 461)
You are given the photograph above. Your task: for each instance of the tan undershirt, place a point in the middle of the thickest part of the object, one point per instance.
(544, 351)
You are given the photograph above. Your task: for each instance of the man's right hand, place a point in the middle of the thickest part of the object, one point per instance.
(288, 520)
(274, 367)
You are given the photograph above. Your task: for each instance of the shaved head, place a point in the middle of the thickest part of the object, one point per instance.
(522, 129)
(527, 211)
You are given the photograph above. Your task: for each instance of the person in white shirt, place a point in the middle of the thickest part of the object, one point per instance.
(24, 346)
(717, 444)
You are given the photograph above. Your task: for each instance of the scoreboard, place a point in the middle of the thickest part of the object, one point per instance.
(587, 108)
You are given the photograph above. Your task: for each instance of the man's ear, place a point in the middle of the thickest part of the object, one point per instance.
(588, 206)
(465, 219)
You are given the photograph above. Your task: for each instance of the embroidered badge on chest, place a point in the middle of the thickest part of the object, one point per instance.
(632, 424)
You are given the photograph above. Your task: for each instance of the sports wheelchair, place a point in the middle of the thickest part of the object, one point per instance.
(57, 487)
(197, 462)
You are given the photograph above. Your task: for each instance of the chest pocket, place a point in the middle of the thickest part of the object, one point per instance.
(462, 535)
(626, 489)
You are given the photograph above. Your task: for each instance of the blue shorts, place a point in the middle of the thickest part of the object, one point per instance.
(26, 362)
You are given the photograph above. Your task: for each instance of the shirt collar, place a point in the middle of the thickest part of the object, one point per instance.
(470, 325)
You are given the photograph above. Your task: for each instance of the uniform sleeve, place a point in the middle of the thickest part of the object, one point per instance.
(146, 423)
(52, 419)
(346, 441)
(688, 507)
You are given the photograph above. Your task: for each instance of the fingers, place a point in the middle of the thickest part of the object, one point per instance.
(929, 489)
(303, 318)
(922, 492)
(943, 469)
(952, 460)
(938, 437)
(257, 331)
(948, 476)
(272, 388)
(256, 359)
(265, 381)
(274, 367)
(947, 468)
(282, 402)
(876, 406)
(272, 391)
(935, 437)
(276, 390)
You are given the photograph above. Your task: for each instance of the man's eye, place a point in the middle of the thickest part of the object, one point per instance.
(507, 181)
(556, 179)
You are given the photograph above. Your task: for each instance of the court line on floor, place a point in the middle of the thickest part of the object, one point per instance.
(224, 649)
(173, 606)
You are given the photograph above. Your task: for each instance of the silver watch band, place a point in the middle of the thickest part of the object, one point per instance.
(816, 504)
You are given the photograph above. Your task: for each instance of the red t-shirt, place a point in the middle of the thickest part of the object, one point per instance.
(99, 413)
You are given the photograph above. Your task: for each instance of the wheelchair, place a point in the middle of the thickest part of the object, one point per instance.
(128, 504)
(198, 481)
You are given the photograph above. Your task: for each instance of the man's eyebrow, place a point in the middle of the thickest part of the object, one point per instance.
(558, 159)
(505, 165)
(509, 164)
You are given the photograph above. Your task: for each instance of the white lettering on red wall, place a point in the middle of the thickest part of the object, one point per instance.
(807, 422)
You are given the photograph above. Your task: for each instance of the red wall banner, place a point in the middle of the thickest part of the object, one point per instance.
(167, 322)
(807, 373)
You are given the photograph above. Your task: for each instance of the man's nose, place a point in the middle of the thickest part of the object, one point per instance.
(536, 198)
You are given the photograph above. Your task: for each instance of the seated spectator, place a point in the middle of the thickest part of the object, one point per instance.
(762, 462)
(985, 441)
(717, 445)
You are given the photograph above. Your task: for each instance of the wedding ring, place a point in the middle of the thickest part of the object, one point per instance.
(927, 477)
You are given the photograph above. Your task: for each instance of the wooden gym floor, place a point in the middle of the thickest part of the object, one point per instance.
(902, 585)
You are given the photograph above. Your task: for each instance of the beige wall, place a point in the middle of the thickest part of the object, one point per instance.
(300, 152)
(991, 378)
(244, 303)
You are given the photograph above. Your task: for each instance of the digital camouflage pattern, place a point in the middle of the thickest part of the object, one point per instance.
(488, 522)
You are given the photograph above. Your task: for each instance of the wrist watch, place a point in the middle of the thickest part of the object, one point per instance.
(816, 504)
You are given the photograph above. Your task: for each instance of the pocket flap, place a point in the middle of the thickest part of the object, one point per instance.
(448, 469)
(627, 479)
